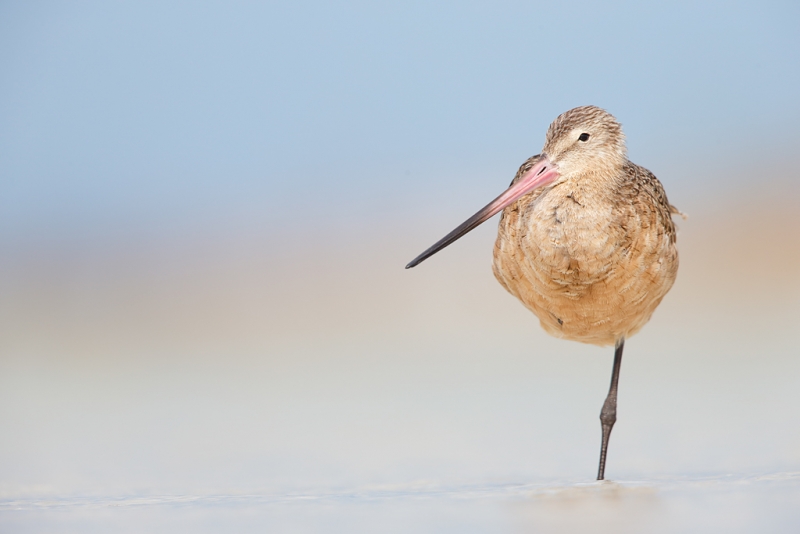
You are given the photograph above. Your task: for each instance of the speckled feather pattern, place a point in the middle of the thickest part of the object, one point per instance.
(593, 254)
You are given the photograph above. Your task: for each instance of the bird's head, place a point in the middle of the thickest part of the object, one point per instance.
(584, 141)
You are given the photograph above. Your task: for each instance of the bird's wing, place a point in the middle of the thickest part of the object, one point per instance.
(647, 189)
(525, 167)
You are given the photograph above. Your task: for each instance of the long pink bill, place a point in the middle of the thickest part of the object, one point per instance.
(541, 174)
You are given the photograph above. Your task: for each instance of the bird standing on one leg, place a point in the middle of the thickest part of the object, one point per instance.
(586, 240)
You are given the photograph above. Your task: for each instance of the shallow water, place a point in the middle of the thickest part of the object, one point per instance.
(766, 503)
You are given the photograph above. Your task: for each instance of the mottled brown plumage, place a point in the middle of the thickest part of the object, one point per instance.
(586, 240)
(593, 253)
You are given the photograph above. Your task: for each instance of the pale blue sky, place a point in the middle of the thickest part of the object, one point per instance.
(131, 116)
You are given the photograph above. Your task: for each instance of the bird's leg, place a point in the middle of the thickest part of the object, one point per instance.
(608, 415)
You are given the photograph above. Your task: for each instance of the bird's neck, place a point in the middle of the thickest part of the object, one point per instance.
(598, 185)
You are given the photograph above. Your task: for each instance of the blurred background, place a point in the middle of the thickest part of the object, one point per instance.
(206, 208)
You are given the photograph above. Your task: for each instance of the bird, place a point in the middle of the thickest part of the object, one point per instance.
(586, 240)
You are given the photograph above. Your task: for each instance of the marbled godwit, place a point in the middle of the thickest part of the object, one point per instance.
(586, 240)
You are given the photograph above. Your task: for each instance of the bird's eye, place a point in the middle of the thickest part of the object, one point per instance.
(583, 137)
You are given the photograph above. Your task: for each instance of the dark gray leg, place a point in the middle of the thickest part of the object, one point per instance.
(608, 415)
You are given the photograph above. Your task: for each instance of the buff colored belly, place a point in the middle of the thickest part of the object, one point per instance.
(586, 274)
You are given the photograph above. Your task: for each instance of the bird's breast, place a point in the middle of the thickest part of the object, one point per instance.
(582, 264)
